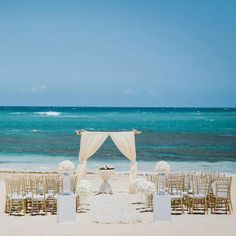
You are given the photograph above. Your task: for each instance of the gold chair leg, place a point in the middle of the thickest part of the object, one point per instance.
(231, 205)
(10, 207)
(45, 207)
(32, 207)
(228, 206)
(23, 206)
(6, 206)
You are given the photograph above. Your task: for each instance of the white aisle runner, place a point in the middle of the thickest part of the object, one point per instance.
(116, 208)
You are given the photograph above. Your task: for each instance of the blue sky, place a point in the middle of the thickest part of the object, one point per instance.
(118, 53)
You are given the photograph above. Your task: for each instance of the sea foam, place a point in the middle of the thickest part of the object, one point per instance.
(48, 113)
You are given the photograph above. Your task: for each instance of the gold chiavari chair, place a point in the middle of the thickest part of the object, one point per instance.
(149, 197)
(198, 198)
(52, 190)
(7, 196)
(149, 177)
(175, 189)
(187, 189)
(27, 192)
(38, 201)
(73, 183)
(154, 179)
(15, 202)
(221, 198)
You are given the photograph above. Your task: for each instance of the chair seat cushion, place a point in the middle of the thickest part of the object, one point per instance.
(222, 195)
(28, 195)
(198, 196)
(15, 196)
(173, 197)
(51, 196)
(38, 197)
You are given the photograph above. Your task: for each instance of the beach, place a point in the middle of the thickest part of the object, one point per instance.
(217, 225)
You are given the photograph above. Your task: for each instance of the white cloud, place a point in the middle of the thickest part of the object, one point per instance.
(37, 88)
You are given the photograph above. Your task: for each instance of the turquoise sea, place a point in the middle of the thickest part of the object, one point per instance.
(188, 138)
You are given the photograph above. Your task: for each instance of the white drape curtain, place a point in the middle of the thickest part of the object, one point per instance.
(91, 141)
(125, 142)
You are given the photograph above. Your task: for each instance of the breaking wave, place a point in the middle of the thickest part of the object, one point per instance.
(48, 113)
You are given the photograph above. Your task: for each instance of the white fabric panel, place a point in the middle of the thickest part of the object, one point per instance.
(133, 175)
(125, 142)
(81, 169)
(90, 142)
(133, 171)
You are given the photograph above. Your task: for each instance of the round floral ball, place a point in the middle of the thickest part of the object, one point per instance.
(150, 187)
(145, 186)
(83, 188)
(139, 184)
(162, 167)
(66, 167)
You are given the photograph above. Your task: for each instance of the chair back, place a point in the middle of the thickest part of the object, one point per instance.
(200, 184)
(37, 185)
(223, 187)
(14, 186)
(175, 185)
(52, 184)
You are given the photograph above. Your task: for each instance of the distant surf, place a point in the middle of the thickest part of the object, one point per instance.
(48, 113)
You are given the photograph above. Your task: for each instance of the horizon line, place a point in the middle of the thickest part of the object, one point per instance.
(70, 106)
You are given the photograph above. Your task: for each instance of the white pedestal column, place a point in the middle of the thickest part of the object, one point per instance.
(66, 208)
(161, 207)
(66, 183)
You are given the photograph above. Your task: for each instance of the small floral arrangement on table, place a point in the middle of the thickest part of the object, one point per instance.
(66, 167)
(106, 167)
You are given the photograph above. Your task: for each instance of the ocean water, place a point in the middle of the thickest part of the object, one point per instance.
(188, 138)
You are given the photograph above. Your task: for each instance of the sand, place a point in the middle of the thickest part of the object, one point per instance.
(180, 225)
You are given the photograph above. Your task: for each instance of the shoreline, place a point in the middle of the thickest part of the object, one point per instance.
(3, 173)
(122, 166)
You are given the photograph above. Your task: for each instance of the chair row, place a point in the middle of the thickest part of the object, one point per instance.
(34, 194)
(196, 193)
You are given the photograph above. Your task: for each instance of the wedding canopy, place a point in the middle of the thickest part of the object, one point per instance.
(90, 142)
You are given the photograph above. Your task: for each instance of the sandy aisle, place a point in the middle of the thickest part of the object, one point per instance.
(217, 225)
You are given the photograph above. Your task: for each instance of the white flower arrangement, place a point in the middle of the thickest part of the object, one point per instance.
(150, 187)
(66, 167)
(144, 186)
(140, 184)
(106, 167)
(83, 188)
(162, 167)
